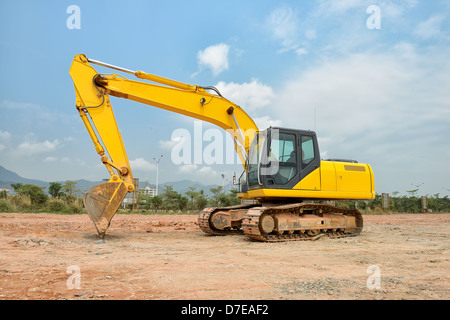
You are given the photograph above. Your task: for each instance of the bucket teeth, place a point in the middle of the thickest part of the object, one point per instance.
(102, 202)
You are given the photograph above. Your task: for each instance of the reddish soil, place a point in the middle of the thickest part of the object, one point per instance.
(167, 257)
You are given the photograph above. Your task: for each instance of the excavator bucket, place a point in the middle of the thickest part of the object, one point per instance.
(102, 202)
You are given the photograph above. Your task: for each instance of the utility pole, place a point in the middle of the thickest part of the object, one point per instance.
(157, 167)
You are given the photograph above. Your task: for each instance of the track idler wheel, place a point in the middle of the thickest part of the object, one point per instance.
(267, 224)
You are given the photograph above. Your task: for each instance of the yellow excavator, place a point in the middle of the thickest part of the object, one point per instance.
(284, 174)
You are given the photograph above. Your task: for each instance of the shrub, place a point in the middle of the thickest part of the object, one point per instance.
(35, 193)
(5, 206)
(21, 201)
(57, 205)
(75, 206)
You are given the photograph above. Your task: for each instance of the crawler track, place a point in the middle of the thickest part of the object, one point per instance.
(299, 214)
(206, 226)
(252, 227)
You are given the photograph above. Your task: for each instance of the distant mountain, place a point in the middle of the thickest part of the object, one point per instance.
(7, 177)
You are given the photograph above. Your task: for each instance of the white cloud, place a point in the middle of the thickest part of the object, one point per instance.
(28, 148)
(4, 139)
(265, 122)
(34, 112)
(252, 97)
(25, 106)
(248, 95)
(334, 7)
(65, 161)
(364, 90)
(396, 9)
(142, 164)
(430, 28)
(4, 135)
(207, 171)
(301, 51)
(188, 168)
(194, 171)
(391, 110)
(214, 57)
(310, 34)
(205, 174)
(283, 23)
(170, 144)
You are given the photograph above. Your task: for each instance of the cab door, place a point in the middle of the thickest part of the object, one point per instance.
(309, 178)
(292, 157)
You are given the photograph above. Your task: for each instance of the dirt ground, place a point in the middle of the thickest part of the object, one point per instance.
(49, 256)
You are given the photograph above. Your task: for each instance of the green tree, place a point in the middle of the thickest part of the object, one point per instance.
(438, 204)
(191, 194)
(182, 203)
(55, 189)
(200, 201)
(170, 198)
(16, 186)
(156, 202)
(70, 190)
(35, 193)
(232, 198)
(216, 197)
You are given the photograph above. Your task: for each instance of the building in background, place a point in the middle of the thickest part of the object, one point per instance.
(148, 191)
(142, 194)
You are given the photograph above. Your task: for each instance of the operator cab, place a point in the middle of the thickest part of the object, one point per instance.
(279, 158)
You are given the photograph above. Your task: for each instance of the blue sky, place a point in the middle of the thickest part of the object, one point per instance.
(378, 95)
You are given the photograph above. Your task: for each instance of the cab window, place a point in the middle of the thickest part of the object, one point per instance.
(283, 148)
(307, 150)
(283, 153)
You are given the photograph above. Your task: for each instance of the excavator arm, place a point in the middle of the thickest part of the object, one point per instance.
(94, 106)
